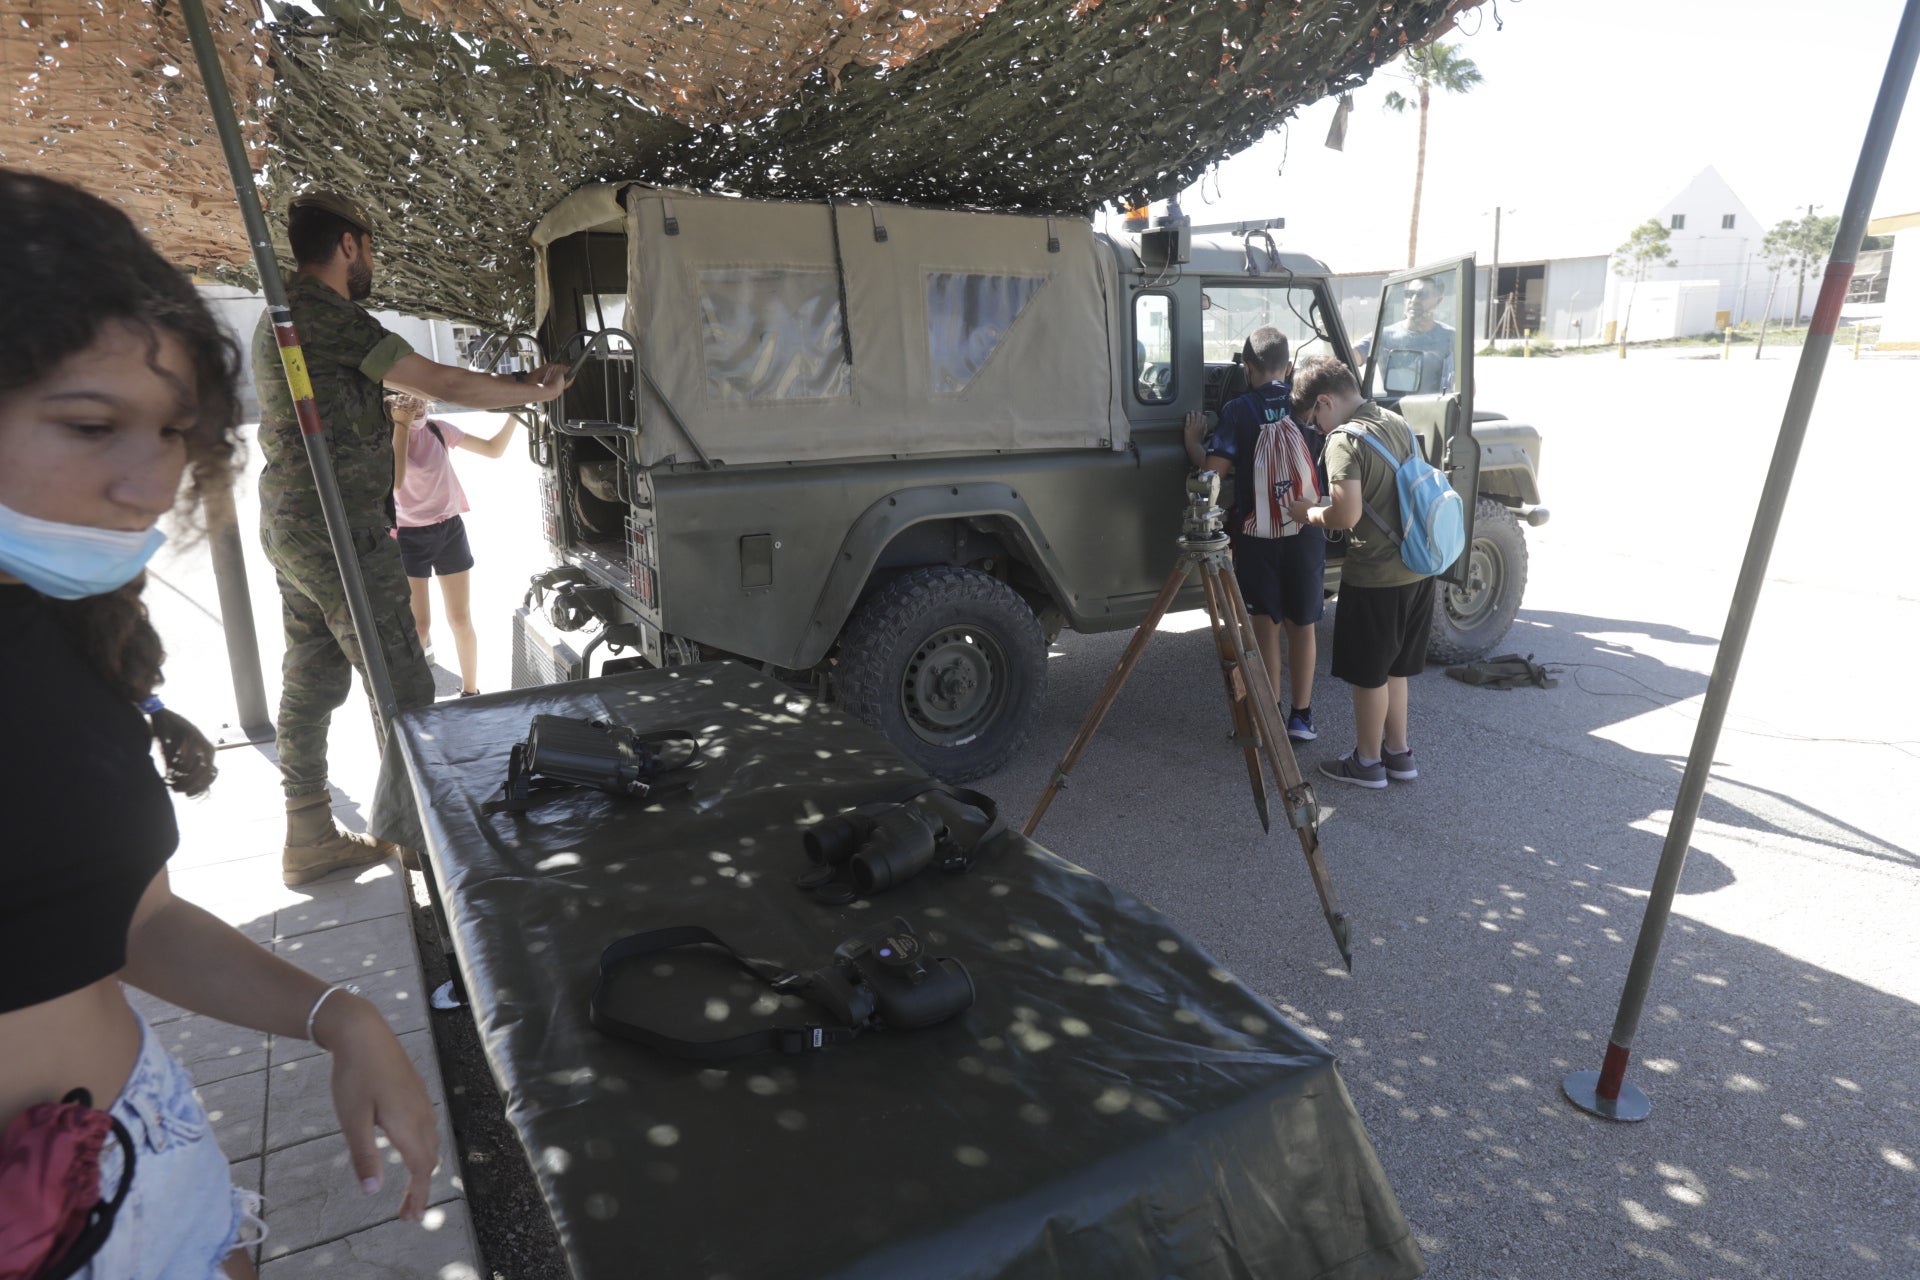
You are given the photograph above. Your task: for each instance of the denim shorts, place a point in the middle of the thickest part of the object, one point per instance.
(182, 1215)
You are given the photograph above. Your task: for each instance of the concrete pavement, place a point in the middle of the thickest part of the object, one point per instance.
(1496, 899)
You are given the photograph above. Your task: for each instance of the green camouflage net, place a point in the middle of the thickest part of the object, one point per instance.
(461, 123)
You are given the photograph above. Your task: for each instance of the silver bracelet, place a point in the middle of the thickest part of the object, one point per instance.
(315, 1011)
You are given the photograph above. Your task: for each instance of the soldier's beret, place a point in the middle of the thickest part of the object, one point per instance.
(336, 204)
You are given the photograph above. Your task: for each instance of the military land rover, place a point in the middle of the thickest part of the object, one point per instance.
(892, 451)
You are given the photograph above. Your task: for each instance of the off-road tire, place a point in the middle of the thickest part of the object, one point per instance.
(950, 665)
(1468, 622)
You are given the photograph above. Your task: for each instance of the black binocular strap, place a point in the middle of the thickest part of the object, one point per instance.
(996, 825)
(782, 1039)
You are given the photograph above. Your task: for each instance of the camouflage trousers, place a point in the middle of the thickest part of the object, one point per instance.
(323, 650)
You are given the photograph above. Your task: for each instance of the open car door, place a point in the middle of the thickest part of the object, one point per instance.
(1420, 365)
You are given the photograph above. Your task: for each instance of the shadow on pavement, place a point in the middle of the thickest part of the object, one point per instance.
(1495, 904)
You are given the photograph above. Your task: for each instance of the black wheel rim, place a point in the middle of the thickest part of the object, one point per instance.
(954, 685)
(1470, 604)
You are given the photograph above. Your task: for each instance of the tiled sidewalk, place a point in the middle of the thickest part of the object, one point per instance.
(269, 1097)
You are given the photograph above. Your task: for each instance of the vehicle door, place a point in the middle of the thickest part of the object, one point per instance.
(1420, 365)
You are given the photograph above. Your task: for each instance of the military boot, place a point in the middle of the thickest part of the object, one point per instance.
(316, 847)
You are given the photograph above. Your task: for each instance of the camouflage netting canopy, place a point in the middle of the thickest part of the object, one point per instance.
(462, 121)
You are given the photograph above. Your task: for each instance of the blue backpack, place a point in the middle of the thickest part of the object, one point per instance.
(1435, 526)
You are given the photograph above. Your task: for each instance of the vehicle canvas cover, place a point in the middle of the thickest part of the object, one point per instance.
(792, 332)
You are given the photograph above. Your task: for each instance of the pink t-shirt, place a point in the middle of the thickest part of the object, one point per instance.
(431, 492)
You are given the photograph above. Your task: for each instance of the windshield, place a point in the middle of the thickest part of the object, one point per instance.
(1229, 312)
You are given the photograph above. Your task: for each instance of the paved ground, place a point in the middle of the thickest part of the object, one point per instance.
(1496, 900)
(269, 1097)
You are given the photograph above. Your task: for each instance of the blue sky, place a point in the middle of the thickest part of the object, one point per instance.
(1592, 115)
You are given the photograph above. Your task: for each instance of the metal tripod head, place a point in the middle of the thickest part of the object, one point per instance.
(1204, 524)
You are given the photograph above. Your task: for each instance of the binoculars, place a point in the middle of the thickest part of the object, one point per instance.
(587, 753)
(873, 848)
(885, 977)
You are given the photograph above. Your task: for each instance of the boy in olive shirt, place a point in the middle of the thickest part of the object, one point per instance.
(1380, 628)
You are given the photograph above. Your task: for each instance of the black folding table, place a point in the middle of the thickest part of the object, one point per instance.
(1113, 1105)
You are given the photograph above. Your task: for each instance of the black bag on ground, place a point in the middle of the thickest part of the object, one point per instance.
(1508, 671)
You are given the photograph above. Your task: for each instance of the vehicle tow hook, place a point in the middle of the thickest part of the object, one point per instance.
(1534, 516)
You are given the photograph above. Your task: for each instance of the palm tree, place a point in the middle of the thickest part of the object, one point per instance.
(1430, 67)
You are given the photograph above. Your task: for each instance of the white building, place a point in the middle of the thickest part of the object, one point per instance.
(1712, 238)
(1900, 317)
(1574, 297)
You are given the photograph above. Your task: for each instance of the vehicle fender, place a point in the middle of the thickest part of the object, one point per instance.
(1509, 460)
(880, 523)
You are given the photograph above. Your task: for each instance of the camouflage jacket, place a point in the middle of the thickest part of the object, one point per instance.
(348, 353)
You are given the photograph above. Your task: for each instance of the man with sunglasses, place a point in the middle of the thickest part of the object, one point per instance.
(1421, 333)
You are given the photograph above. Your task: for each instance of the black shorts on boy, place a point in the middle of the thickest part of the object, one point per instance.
(1380, 632)
(1283, 578)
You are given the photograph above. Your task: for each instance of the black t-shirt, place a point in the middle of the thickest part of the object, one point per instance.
(88, 820)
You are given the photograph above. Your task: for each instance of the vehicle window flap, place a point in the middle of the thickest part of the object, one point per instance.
(773, 333)
(968, 318)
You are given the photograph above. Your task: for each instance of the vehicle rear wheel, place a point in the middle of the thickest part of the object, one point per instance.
(1469, 620)
(950, 664)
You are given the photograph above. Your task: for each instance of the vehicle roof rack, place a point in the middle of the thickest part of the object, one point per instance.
(1242, 228)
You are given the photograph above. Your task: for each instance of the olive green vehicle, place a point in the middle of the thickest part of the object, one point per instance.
(892, 451)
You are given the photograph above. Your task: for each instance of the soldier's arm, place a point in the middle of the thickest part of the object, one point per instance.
(472, 389)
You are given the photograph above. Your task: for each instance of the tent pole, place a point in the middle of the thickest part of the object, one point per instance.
(1605, 1092)
(313, 432)
(236, 616)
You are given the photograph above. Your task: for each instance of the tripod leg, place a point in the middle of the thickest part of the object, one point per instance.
(1286, 771)
(1243, 729)
(1103, 703)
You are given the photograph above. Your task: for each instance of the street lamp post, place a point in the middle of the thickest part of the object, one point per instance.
(1493, 274)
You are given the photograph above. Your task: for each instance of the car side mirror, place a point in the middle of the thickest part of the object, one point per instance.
(1401, 375)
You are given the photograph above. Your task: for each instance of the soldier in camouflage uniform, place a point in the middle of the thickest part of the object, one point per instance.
(349, 355)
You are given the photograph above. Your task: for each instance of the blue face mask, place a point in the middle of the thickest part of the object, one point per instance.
(72, 561)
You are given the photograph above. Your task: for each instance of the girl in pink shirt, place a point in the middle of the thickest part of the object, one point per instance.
(429, 501)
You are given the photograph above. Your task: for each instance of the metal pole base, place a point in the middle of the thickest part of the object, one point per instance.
(232, 735)
(1582, 1090)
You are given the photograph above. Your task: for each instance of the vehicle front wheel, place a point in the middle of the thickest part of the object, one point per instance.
(950, 664)
(1469, 620)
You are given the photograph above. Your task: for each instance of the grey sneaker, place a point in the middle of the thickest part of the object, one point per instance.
(1349, 769)
(1399, 765)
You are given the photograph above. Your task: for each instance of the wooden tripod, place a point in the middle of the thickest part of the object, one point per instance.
(1250, 698)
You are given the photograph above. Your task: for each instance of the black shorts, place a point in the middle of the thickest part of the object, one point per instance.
(436, 548)
(1283, 578)
(1380, 632)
